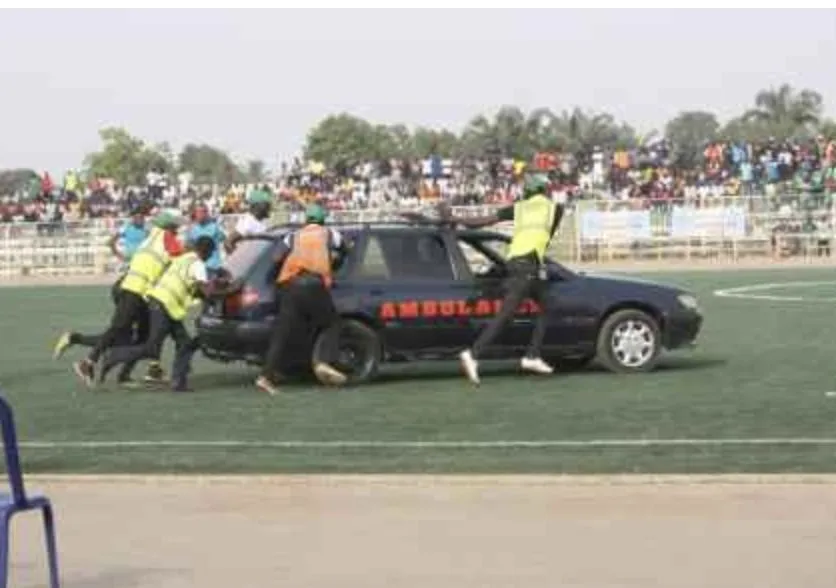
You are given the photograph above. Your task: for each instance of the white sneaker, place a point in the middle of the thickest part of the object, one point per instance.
(329, 375)
(470, 366)
(536, 366)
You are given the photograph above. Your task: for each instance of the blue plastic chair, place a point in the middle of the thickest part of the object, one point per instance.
(17, 501)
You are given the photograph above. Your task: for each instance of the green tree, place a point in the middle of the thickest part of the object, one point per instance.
(255, 171)
(123, 157)
(14, 180)
(578, 131)
(208, 164)
(786, 112)
(341, 139)
(827, 128)
(689, 132)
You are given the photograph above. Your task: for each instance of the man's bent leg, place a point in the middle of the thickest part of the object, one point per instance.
(286, 319)
(322, 315)
(127, 309)
(120, 324)
(155, 373)
(159, 329)
(533, 361)
(186, 346)
(517, 287)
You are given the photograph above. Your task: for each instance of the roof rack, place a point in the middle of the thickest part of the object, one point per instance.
(365, 224)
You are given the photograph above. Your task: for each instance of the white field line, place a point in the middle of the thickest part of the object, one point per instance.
(518, 444)
(745, 292)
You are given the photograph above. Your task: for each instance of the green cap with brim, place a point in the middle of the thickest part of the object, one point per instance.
(535, 184)
(315, 213)
(167, 218)
(259, 197)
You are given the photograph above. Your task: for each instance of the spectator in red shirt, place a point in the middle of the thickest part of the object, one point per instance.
(46, 185)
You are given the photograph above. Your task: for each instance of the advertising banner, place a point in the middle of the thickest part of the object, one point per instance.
(724, 221)
(603, 225)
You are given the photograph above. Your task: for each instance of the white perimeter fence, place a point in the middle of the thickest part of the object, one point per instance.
(722, 229)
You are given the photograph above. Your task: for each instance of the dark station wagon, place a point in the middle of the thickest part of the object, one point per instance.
(422, 292)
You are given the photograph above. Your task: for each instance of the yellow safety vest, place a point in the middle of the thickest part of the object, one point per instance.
(533, 220)
(147, 264)
(174, 290)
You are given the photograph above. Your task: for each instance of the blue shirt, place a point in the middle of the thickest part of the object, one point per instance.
(746, 172)
(213, 230)
(131, 237)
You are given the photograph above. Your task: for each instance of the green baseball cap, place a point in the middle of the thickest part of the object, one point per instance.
(167, 218)
(535, 184)
(315, 213)
(260, 197)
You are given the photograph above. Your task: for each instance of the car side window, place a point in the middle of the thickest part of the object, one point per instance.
(373, 265)
(417, 256)
(477, 262)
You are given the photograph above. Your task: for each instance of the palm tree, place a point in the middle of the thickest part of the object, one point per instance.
(580, 131)
(784, 111)
(541, 130)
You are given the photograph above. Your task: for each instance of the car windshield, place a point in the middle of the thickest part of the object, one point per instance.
(246, 253)
(499, 246)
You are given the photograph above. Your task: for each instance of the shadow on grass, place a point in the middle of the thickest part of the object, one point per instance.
(447, 370)
(242, 379)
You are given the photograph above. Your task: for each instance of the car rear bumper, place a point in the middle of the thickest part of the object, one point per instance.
(242, 340)
(682, 330)
(228, 340)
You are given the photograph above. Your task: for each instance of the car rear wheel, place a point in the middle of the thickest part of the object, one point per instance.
(629, 341)
(358, 350)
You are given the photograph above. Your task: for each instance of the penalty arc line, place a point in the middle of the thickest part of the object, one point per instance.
(745, 292)
(514, 444)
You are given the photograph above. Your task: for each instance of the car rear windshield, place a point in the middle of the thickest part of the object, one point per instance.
(245, 256)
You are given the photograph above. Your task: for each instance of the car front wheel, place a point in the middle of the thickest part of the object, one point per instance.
(629, 341)
(358, 350)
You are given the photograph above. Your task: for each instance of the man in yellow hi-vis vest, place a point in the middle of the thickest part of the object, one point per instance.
(536, 218)
(147, 266)
(168, 304)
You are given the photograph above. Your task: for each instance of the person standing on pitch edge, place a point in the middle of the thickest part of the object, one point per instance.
(206, 226)
(253, 222)
(536, 218)
(307, 259)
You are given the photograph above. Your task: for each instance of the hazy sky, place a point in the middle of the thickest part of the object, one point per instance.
(254, 81)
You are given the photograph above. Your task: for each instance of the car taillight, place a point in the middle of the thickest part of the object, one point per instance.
(244, 298)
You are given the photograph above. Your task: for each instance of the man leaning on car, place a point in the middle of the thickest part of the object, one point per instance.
(307, 259)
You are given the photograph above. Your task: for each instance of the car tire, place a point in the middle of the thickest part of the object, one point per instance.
(360, 350)
(637, 354)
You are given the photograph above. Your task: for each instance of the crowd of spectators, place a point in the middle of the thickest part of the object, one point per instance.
(641, 176)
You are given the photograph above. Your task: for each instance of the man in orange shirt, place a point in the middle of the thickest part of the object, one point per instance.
(304, 282)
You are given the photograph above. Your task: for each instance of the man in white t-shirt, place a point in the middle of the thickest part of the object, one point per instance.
(168, 305)
(253, 222)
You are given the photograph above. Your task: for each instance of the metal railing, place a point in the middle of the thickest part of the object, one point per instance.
(593, 231)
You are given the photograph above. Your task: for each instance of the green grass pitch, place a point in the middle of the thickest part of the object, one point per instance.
(761, 372)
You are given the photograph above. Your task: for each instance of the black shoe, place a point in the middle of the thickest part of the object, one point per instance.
(180, 386)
